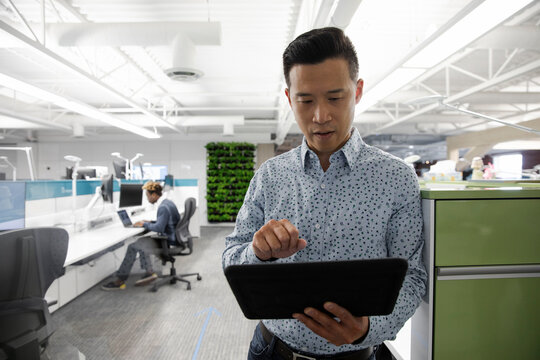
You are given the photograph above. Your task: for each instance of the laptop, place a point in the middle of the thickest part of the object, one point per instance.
(125, 218)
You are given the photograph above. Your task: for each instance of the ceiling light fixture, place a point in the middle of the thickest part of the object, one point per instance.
(73, 105)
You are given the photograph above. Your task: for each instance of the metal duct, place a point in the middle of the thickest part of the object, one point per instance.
(133, 34)
(182, 37)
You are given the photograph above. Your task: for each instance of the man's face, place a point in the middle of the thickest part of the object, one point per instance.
(152, 197)
(322, 98)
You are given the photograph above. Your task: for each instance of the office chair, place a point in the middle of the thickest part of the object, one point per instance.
(30, 260)
(184, 247)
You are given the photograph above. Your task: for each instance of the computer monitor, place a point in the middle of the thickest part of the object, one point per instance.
(107, 188)
(130, 195)
(119, 169)
(12, 205)
(83, 173)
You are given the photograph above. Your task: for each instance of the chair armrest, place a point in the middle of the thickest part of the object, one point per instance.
(163, 239)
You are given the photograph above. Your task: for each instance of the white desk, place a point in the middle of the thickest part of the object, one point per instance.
(88, 243)
(82, 245)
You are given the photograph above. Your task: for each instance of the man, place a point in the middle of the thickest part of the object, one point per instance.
(166, 220)
(332, 198)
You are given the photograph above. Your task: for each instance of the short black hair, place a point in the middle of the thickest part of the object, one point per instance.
(318, 45)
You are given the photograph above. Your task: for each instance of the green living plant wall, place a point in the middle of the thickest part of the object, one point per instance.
(229, 171)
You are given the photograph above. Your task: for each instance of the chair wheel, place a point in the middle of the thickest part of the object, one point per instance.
(172, 281)
(199, 277)
(154, 289)
(188, 286)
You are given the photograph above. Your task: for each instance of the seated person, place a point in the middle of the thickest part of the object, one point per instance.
(167, 218)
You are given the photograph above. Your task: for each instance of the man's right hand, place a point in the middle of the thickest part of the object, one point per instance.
(277, 239)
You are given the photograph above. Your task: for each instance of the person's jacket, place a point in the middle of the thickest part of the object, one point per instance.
(166, 220)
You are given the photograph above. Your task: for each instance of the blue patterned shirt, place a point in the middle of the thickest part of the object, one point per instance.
(365, 206)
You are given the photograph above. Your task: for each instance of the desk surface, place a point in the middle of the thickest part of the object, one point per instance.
(87, 243)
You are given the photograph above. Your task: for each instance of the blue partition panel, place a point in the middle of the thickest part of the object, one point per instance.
(47, 189)
(185, 182)
(12, 206)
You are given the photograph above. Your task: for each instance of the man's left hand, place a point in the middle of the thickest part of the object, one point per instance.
(139, 224)
(346, 330)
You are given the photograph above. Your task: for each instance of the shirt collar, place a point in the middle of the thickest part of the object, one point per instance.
(350, 150)
(160, 200)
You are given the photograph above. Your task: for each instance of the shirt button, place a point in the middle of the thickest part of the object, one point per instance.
(317, 226)
(323, 186)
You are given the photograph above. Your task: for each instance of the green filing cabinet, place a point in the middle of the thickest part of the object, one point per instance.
(483, 258)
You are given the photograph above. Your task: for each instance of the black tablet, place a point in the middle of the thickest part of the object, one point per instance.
(276, 290)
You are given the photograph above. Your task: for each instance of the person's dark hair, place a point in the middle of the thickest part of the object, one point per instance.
(153, 187)
(318, 45)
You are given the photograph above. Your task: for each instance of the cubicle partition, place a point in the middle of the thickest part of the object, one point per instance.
(482, 255)
(98, 239)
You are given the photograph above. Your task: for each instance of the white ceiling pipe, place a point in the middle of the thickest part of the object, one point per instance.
(133, 34)
(343, 13)
(208, 120)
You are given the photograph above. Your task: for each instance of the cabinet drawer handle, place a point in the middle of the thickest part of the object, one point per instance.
(487, 272)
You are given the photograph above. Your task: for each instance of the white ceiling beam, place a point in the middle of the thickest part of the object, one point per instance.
(492, 136)
(40, 50)
(267, 94)
(511, 37)
(194, 108)
(23, 20)
(475, 89)
(34, 120)
(503, 98)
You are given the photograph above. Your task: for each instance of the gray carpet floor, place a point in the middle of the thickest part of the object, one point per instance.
(203, 323)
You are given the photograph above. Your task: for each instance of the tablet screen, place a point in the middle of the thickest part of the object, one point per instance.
(276, 290)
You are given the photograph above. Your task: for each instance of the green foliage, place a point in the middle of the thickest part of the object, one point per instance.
(229, 171)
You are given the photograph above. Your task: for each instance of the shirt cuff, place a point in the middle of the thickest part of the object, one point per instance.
(361, 340)
(372, 336)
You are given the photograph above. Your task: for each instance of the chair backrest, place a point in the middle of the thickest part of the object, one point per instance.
(30, 260)
(183, 235)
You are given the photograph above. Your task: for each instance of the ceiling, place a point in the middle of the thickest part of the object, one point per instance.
(82, 70)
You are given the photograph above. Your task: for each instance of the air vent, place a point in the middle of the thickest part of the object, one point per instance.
(183, 74)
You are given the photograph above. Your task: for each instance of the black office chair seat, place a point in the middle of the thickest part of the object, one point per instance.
(184, 247)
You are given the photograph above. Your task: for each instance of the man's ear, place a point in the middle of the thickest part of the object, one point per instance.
(359, 90)
(288, 96)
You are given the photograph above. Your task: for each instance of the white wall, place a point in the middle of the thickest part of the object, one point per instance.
(185, 159)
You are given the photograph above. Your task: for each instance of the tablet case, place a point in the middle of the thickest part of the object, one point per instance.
(277, 290)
